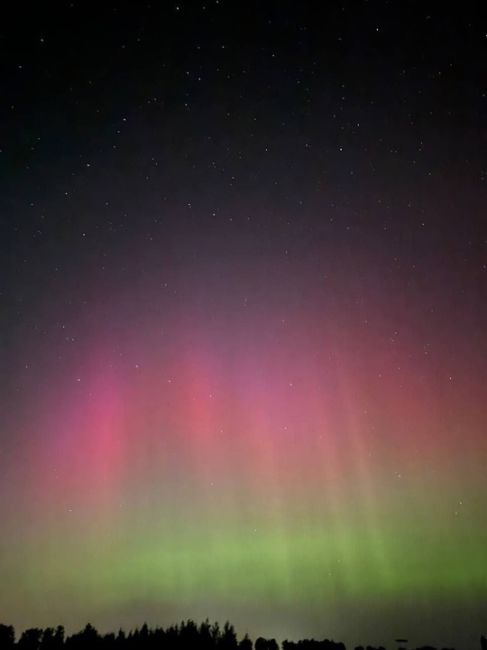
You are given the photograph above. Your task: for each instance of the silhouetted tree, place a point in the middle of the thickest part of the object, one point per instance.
(266, 644)
(7, 637)
(245, 643)
(47, 639)
(188, 634)
(88, 638)
(260, 643)
(30, 639)
(228, 638)
(184, 636)
(205, 636)
(59, 637)
(120, 640)
(52, 639)
(215, 633)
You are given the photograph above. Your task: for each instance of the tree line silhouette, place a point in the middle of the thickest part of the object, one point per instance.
(187, 635)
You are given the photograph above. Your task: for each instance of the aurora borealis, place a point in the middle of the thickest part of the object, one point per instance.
(243, 320)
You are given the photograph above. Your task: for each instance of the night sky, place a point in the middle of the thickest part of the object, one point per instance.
(243, 314)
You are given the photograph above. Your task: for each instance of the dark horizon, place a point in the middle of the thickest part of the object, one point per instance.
(185, 635)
